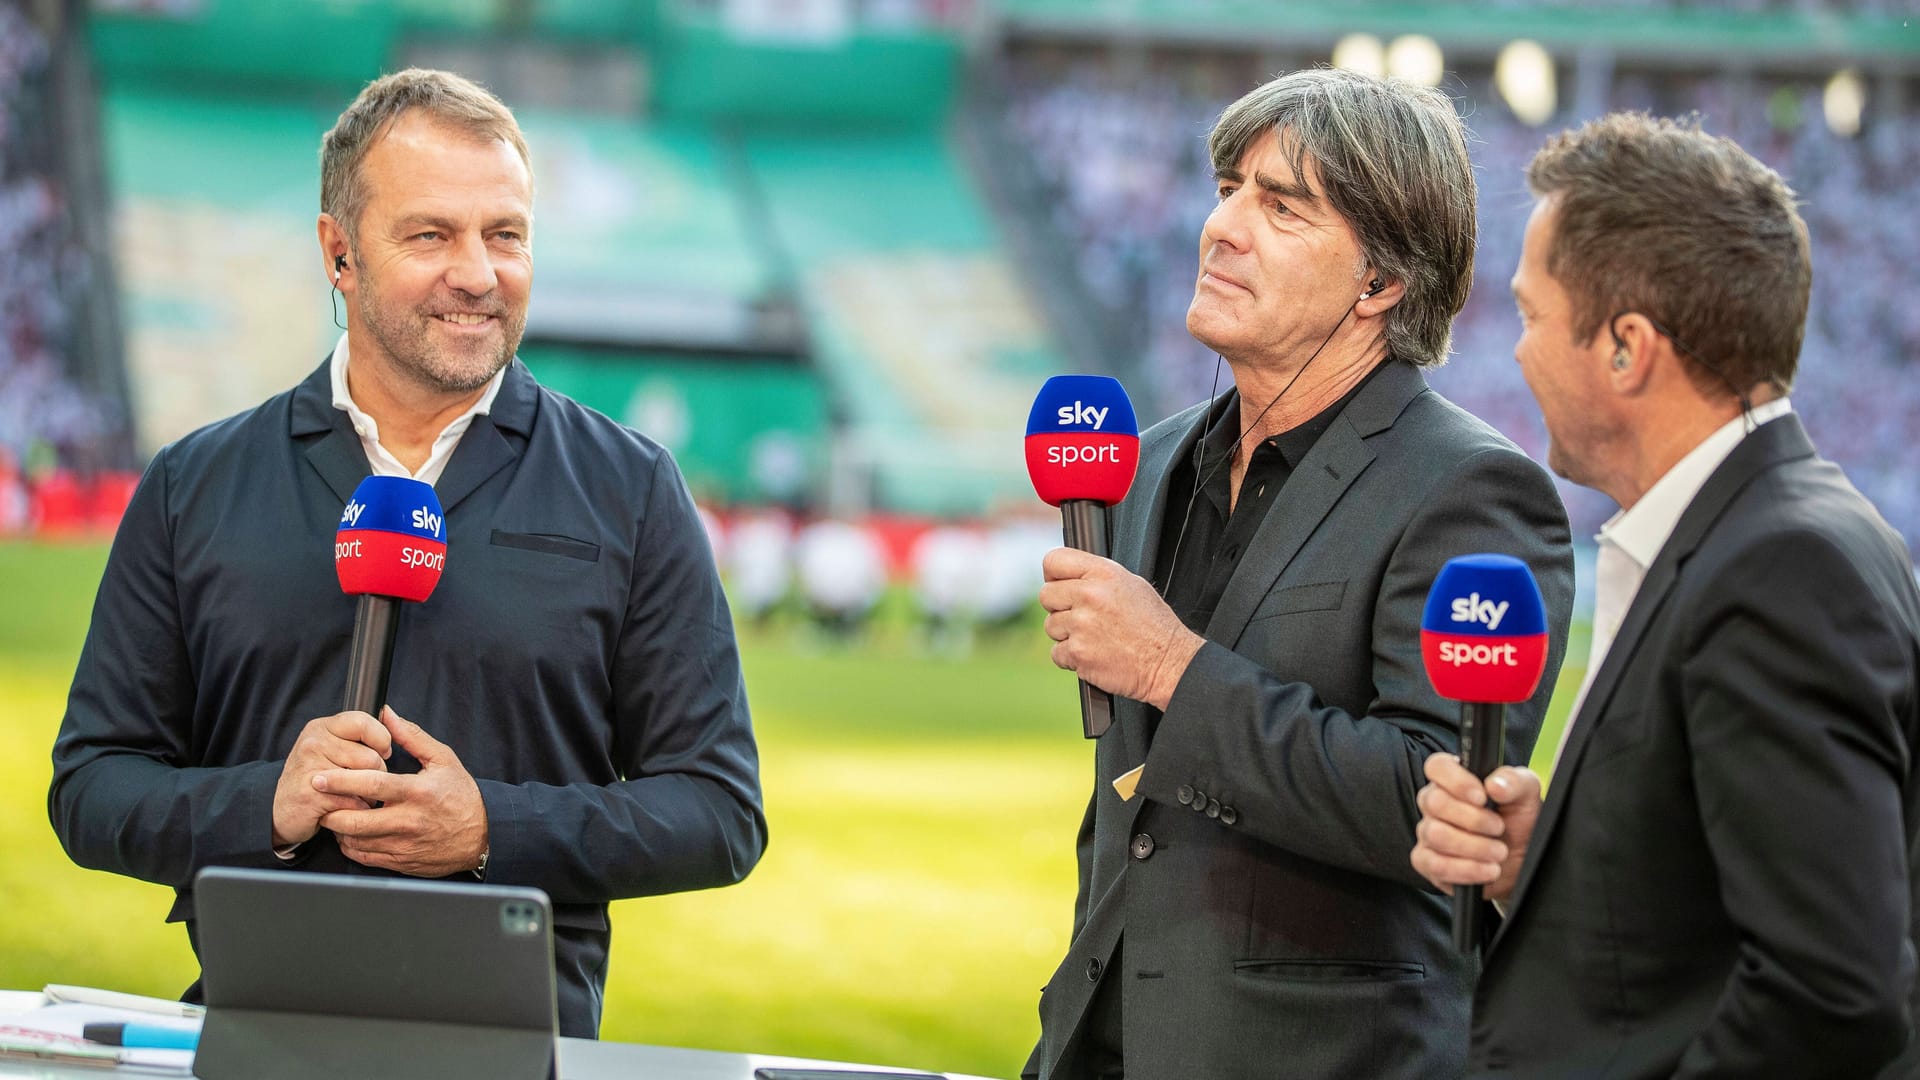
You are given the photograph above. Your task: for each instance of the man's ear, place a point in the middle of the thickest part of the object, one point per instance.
(335, 253)
(1378, 296)
(1634, 352)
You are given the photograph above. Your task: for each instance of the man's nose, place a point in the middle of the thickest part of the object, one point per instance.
(470, 269)
(1227, 224)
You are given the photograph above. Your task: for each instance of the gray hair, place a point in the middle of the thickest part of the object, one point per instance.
(449, 99)
(1393, 159)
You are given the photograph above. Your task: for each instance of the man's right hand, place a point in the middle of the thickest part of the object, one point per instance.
(1463, 841)
(348, 740)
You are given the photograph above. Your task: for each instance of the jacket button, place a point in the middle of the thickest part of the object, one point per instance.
(1142, 846)
(1199, 800)
(1213, 808)
(1228, 815)
(1185, 794)
(1093, 971)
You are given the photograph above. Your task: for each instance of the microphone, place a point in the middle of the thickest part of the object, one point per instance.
(391, 546)
(1483, 639)
(1083, 446)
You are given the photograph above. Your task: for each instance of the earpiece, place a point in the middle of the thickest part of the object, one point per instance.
(1373, 286)
(1621, 359)
(339, 265)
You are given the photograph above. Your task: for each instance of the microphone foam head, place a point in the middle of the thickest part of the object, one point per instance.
(1082, 440)
(392, 540)
(1483, 635)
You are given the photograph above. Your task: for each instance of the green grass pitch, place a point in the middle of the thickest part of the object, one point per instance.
(916, 893)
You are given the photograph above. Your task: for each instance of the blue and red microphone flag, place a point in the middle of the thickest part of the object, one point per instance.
(1483, 635)
(392, 539)
(1082, 440)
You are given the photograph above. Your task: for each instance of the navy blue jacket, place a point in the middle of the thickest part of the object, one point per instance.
(577, 655)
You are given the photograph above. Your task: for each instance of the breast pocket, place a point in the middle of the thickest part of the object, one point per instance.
(549, 544)
(1299, 599)
(559, 582)
(1614, 734)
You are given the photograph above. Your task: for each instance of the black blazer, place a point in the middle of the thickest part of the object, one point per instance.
(1722, 881)
(577, 655)
(1273, 925)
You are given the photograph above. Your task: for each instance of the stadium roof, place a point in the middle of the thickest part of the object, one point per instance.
(1782, 39)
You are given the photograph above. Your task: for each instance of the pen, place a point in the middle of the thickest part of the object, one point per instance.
(143, 1036)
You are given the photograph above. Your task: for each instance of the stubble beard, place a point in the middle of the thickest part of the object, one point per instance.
(405, 334)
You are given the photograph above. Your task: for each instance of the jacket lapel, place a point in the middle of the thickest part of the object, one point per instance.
(337, 455)
(1778, 441)
(1316, 486)
(1144, 512)
(487, 447)
(1136, 543)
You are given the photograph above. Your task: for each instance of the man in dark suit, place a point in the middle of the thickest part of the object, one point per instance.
(1722, 881)
(1247, 910)
(576, 664)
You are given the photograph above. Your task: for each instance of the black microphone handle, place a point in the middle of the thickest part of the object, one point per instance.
(1483, 738)
(1086, 527)
(376, 625)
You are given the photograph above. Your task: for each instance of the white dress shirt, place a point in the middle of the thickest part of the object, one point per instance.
(1632, 538)
(383, 462)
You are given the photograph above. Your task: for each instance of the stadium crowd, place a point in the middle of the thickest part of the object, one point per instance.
(1122, 159)
(45, 420)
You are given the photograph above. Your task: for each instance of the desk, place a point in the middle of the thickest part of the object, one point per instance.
(580, 1059)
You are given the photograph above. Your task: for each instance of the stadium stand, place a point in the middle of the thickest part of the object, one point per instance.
(765, 250)
(1122, 156)
(62, 394)
(826, 257)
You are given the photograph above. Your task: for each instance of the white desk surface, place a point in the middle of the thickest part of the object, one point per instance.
(580, 1059)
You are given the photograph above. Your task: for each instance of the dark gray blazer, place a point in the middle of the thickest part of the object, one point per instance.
(577, 655)
(1273, 924)
(1723, 880)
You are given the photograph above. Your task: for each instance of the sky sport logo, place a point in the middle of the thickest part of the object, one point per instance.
(1082, 440)
(1483, 634)
(391, 540)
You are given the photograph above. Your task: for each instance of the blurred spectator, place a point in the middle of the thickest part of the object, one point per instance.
(1009, 579)
(843, 571)
(947, 562)
(759, 564)
(13, 495)
(44, 274)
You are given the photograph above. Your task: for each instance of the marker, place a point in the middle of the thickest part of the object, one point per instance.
(143, 1036)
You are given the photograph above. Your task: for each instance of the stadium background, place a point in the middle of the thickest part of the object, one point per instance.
(825, 250)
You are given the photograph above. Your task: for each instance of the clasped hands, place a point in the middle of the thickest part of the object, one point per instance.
(426, 824)
(1111, 628)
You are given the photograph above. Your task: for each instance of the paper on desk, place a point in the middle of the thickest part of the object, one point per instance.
(71, 1021)
(59, 994)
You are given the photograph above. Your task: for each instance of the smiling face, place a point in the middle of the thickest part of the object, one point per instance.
(1568, 377)
(444, 259)
(1278, 265)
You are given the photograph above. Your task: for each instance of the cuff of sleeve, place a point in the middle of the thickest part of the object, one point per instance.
(242, 813)
(1177, 756)
(506, 805)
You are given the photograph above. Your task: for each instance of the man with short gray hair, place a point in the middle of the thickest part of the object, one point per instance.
(1245, 907)
(566, 711)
